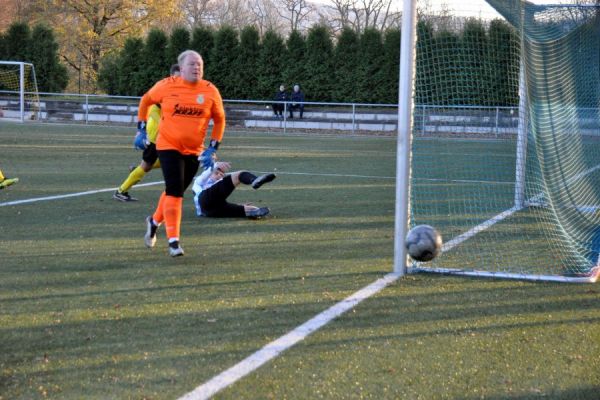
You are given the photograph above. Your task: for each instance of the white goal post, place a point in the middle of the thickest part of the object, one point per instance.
(19, 97)
(514, 199)
(405, 112)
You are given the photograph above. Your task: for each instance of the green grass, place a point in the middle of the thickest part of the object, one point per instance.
(86, 311)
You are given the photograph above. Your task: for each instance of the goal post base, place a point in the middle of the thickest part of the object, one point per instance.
(591, 277)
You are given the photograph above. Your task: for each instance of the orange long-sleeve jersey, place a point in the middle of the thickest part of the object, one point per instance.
(187, 109)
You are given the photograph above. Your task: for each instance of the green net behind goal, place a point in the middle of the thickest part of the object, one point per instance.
(506, 140)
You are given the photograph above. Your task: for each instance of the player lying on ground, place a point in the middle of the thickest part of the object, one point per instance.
(6, 182)
(213, 187)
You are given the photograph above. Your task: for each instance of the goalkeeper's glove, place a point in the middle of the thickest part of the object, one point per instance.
(208, 156)
(141, 138)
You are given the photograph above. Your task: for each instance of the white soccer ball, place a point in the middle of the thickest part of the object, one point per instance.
(423, 243)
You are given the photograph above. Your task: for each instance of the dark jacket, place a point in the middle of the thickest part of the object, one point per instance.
(281, 96)
(297, 97)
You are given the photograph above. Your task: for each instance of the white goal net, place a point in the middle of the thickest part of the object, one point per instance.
(505, 151)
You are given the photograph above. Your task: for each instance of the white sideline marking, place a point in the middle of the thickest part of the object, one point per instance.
(78, 194)
(273, 349)
(392, 177)
(64, 196)
(276, 347)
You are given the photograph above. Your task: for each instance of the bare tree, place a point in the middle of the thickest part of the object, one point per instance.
(233, 13)
(265, 16)
(372, 13)
(197, 12)
(295, 12)
(362, 14)
(341, 14)
(217, 13)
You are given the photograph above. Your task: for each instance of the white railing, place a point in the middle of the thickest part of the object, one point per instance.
(428, 119)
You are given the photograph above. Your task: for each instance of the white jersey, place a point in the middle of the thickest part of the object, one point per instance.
(202, 182)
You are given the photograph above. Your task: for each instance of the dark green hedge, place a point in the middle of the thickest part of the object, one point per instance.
(471, 66)
(39, 47)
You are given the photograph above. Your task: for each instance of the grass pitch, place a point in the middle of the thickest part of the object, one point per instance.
(86, 311)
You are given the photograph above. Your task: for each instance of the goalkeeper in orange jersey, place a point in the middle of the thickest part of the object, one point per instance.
(188, 104)
(6, 182)
(150, 156)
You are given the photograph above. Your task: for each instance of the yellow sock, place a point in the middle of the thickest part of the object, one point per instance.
(134, 177)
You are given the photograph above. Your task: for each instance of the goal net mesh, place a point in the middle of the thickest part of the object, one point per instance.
(19, 98)
(506, 139)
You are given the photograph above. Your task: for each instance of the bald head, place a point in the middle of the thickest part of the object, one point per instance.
(191, 66)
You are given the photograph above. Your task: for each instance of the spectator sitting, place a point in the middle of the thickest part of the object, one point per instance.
(280, 96)
(297, 99)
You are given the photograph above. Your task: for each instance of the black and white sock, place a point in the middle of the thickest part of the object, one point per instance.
(247, 178)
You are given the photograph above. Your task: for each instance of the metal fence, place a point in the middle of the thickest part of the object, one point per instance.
(258, 114)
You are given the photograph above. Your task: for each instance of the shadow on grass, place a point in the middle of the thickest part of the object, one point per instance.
(585, 393)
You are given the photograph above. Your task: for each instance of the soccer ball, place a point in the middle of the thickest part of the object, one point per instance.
(423, 243)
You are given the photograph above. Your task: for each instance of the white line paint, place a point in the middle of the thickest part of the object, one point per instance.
(78, 194)
(463, 181)
(592, 277)
(505, 214)
(333, 175)
(481, 227)
(276, 347)
(273, 349)
(90, 192)
(390, 177)
(64, 196)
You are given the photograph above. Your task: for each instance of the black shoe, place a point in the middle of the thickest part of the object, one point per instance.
(258, 213)
(123, 196)
(261, 180)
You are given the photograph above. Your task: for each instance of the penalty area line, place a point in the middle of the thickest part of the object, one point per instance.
(89, 192)
(64, 196)
(276, 347)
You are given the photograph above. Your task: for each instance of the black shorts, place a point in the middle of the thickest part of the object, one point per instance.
(178, 171)
(150, 154)
(213, 201)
